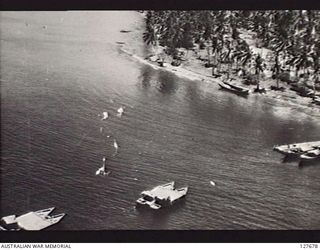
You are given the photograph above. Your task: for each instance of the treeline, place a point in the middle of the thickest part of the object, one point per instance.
(292, 36)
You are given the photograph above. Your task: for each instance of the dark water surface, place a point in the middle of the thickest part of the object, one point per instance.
(59, 70)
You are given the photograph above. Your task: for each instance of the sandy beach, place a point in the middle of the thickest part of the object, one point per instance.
(196, 72)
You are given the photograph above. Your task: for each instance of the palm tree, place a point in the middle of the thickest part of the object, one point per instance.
(276, 67)
(293, 35)
(150, 36)
(258, 69)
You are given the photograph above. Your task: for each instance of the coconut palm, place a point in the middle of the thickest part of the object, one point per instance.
(150, 37)
(293, 35)
(258, 69)
(276, 67)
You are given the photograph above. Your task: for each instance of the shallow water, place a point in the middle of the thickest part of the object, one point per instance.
(59, 70)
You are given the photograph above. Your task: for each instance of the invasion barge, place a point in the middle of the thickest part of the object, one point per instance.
(161, 196)
(297, 149)
(32, 221)
(234, 88)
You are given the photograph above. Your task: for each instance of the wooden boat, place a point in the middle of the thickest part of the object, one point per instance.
(233, 88)
(125, 31)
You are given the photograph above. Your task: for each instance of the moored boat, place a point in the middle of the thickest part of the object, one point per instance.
(234, 88)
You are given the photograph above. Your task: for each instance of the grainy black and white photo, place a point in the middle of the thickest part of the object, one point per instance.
(143, 120)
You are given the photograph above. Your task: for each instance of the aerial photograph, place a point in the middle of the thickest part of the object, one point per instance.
(160, 120)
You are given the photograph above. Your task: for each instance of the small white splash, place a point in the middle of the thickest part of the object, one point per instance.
(116, 146)
(212, 183)
(120, 111)
(135, 179)
(105, 116)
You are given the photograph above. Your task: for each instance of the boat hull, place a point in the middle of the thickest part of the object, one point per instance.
(228, 88)
(312, 155)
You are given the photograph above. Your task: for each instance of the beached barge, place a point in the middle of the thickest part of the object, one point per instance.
(233, 88)
(297, 148)
(161, 196)
(33, 221)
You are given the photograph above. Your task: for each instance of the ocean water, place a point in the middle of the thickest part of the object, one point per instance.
(59, 70)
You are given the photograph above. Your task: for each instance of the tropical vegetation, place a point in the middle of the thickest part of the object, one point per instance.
(292, 36)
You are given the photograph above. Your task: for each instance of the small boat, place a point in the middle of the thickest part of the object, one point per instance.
(125, 31)
(161, 196)
(233, 88)
(311, 155)
(33, 221)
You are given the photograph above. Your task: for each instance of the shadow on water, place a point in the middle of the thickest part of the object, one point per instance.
(303, 164)
(146, 77)
(166, 83)
(160, 218)
(290, 158)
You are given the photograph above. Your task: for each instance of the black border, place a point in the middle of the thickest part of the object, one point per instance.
(155, 236)
(164, 236)
(157, 4)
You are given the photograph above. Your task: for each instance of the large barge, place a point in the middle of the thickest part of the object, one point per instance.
(32, 221)
(297, 148)
(161, 196)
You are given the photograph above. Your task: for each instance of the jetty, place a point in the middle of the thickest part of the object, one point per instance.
(33, 221)
(297, 148)
(161, 196)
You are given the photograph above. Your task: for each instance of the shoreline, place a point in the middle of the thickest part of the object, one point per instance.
(301, 104)
(193, 69)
